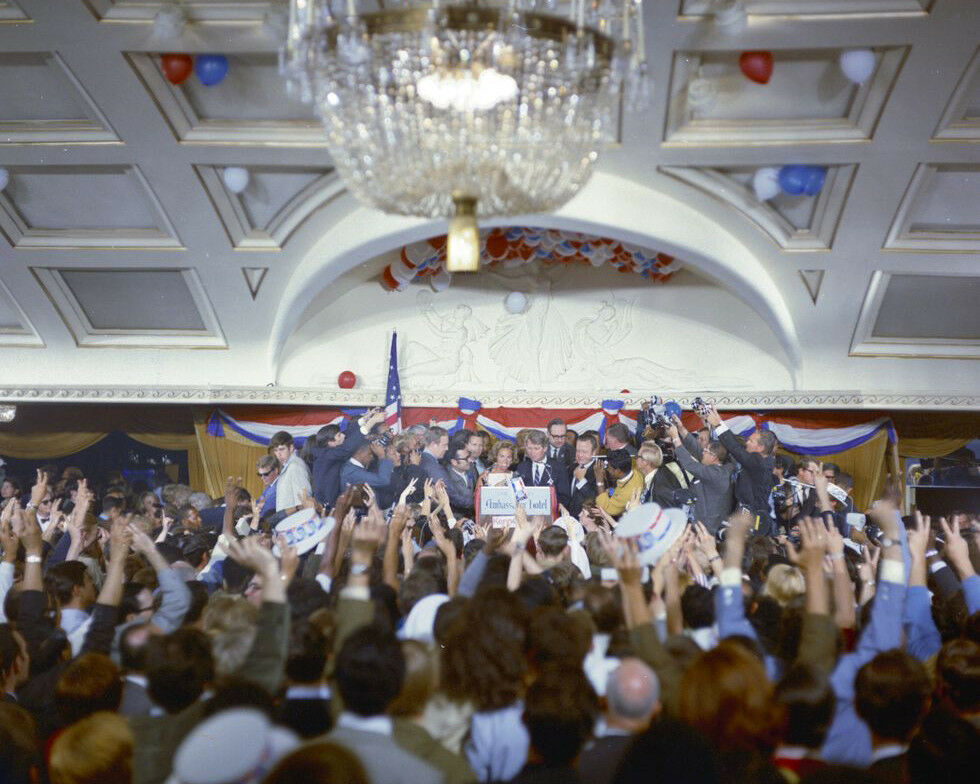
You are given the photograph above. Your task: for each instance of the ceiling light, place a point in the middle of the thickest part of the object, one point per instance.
(494, 103)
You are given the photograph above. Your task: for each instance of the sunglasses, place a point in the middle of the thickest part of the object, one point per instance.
(264, 473)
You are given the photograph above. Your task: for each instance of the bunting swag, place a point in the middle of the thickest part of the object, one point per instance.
(799, 433)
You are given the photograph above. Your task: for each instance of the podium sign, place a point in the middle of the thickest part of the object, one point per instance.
(500, 502)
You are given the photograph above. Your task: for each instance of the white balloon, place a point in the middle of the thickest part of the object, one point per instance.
(4, 178)
(441, 280)
(515, 302)
(857, 64)
(765, 183)
(236, 178)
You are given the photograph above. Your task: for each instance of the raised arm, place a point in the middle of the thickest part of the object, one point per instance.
(175, 597)
(105, 614)
(923, 640)
(958, 554)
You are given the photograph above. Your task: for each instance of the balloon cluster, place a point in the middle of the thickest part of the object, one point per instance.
(513, 247)
(211, 69)
(795, 179)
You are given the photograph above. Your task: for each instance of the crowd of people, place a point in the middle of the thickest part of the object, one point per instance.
(154, 635)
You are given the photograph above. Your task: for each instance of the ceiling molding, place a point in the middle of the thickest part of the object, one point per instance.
(827, 211)
(866, 344)
(86, 335)
(815, 9)
(57, 130)
(205, 11)
(955, 238)
(857, 125)
(21, 234)
(22, 334)
(232, 213)
(190, 128)
(11, 13)
(271, 395)
(955, 125)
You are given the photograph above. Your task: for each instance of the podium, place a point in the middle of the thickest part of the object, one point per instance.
(497, 504)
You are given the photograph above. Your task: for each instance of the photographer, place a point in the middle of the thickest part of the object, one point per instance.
(659, 483)
(713, 498)
(754, 482)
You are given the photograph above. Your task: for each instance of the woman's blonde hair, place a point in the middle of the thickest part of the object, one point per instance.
(96, 749)
(785, 584)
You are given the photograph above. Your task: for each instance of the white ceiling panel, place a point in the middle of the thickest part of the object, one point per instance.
(930, 307)
(940, 210)
(95, 206)
(134, 308)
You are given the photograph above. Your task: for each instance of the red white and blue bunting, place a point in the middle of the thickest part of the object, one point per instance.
(813, 433)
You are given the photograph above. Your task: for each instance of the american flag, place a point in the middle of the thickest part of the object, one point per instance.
(393, 395)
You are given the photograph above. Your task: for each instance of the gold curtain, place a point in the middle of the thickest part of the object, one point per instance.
(231, 455)
(930, 447)
(866, 463)
(30, 446)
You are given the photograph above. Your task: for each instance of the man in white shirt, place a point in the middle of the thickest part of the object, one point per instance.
(294, 477)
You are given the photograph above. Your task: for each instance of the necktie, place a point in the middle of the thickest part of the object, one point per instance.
(537, 473)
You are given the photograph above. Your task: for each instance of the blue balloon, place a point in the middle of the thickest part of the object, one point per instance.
(815, 177)
(210, 68)
(672, 408)
(793, 179)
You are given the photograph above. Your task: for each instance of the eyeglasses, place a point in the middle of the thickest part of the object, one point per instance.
(264, 474)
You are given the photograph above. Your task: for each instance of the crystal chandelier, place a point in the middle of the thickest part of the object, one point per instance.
(466, 109)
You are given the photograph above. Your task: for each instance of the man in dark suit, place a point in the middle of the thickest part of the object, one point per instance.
(892, 695)
(539, 470)
(334, 447)
(461, 482)
(436, 446)
(632, 702)
(712, 485)
(355, 471)
(659, 482)
(754, 482)
(558, 447)
(582, 483)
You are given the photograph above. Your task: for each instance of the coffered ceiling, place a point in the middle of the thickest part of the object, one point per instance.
(117, 230)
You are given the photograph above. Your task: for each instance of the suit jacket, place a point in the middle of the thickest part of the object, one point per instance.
(327, 462)
(351, 474)
(135, 699)
(578, 495)
(433, 469)
(460, 493)
(661, 488)
(755, 480)
(384, 760)
(599, 761)
(712, 486)
(555, 475)
(615, 504)
(566, 454)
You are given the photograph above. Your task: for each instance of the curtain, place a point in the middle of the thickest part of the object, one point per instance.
(31, 446)
(231, 455)
(930, 447)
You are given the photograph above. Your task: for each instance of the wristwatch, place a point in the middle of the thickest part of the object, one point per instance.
(887, 542)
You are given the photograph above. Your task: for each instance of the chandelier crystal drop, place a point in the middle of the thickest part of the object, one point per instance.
(504, 105)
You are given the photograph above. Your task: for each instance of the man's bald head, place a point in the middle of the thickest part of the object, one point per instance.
(633, 695)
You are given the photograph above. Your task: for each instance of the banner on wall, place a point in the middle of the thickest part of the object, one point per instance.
(801, 433)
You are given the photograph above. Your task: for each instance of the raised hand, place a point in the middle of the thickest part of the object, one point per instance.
(250, 553)
(409, 489)
(8, 539)
(288, 559)
(919, 536)
(712, 418)
(367, 536)
(231, 490)
(957, 549)
(40, 488)
(813, 545)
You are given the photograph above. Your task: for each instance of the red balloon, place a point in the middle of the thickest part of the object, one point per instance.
(757, 66)
(176, 67)
(346, 380)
